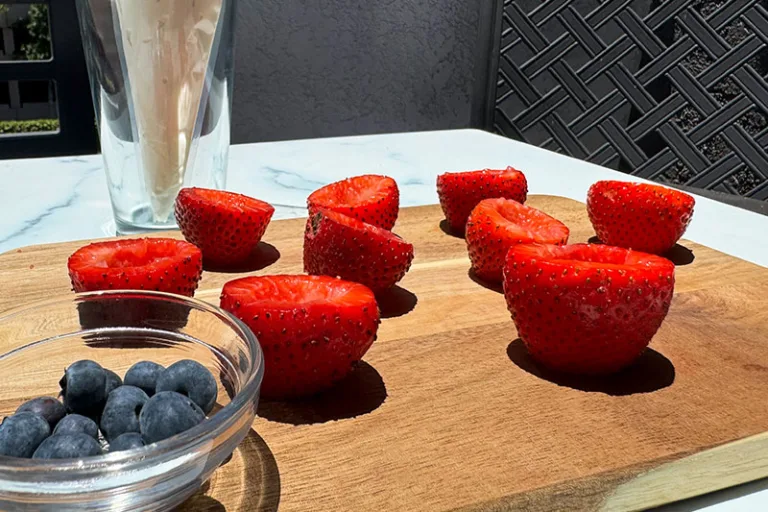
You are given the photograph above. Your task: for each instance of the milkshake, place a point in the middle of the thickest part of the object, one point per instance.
(167, 47)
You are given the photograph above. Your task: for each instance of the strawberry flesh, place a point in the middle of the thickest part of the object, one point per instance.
(586, 309)
(160, 264)
(495, 225)
(224, 225)
(460, 192)
(312, 329)
(639, 216)
(337, 245)
(369, 198)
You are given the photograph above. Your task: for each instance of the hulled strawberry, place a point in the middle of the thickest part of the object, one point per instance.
(639, 216)
(224, 225)
(160, 264)
(312, 329)
(337, 245)
(369, 198)
(586, 309)
(459, 192)
(495, 225)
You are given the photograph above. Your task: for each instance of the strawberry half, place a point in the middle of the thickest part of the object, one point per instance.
(312, 329)
(460, 192)
(586, 309)
(224, 225)
(369, 198)
(639, 216)
(495, 225)
(160, 264)
(337, 245)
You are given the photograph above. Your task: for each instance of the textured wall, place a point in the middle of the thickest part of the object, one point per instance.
(670, 90)
(316, 68)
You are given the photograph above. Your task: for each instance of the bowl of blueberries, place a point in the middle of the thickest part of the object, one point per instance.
(120, 400)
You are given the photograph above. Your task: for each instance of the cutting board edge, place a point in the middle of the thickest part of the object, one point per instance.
(651, 484)
(730, 464)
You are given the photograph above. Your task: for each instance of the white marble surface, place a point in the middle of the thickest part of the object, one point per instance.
(52, 200)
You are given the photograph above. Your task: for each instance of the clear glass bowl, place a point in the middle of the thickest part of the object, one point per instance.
(117, 329)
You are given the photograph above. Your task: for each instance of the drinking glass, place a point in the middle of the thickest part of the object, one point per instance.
(161, 76)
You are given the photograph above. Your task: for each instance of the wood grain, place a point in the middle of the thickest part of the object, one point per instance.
(449, 412)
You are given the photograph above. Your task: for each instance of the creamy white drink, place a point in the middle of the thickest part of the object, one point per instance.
(167, 46)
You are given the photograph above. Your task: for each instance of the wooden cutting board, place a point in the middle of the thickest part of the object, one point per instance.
(449, 413)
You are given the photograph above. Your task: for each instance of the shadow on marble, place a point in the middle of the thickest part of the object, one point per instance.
(359, 393)
(397, 301)
(263, 256)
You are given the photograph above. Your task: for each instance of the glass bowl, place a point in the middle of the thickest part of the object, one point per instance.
(117, 329)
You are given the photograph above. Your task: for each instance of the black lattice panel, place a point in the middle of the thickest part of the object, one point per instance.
(671, 90)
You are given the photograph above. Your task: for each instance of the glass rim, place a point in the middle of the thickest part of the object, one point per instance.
(14, 468)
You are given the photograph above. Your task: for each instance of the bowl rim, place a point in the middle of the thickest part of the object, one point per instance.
(16, 467)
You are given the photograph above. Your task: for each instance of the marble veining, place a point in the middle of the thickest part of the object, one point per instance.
(57, 199)
(292, 179)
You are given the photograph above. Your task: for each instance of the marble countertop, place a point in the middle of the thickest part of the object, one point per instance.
(58, 199)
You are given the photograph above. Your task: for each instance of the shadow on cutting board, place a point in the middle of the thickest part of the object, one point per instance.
(397, 301)
(262, 256)
(494, 287)
(651, 372)
(100, 313)
(445, 228)
(360, 392)
(253, 472)
(201, 501)
(679, 255)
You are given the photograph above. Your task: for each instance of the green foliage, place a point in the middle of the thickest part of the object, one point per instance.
(36, 125)
(39, 45)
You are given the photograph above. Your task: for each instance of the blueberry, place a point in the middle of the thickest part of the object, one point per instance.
(46, 406)
(84, 387)
(166, 414)
(143, 375)
(113, 381)
(121, 414)
(127, 441)
(22, 433)
(73, 446)
(76, 424)
(192, 379)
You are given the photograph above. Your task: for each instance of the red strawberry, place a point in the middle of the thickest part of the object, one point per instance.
(312, 329)
(495, 225)
(370, 198)
(639, 216)
(224, 225)
(587, 309)
(160, 264)
(337, 245)
(460, 192)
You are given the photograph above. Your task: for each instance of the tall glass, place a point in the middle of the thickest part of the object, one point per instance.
(161, 76)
